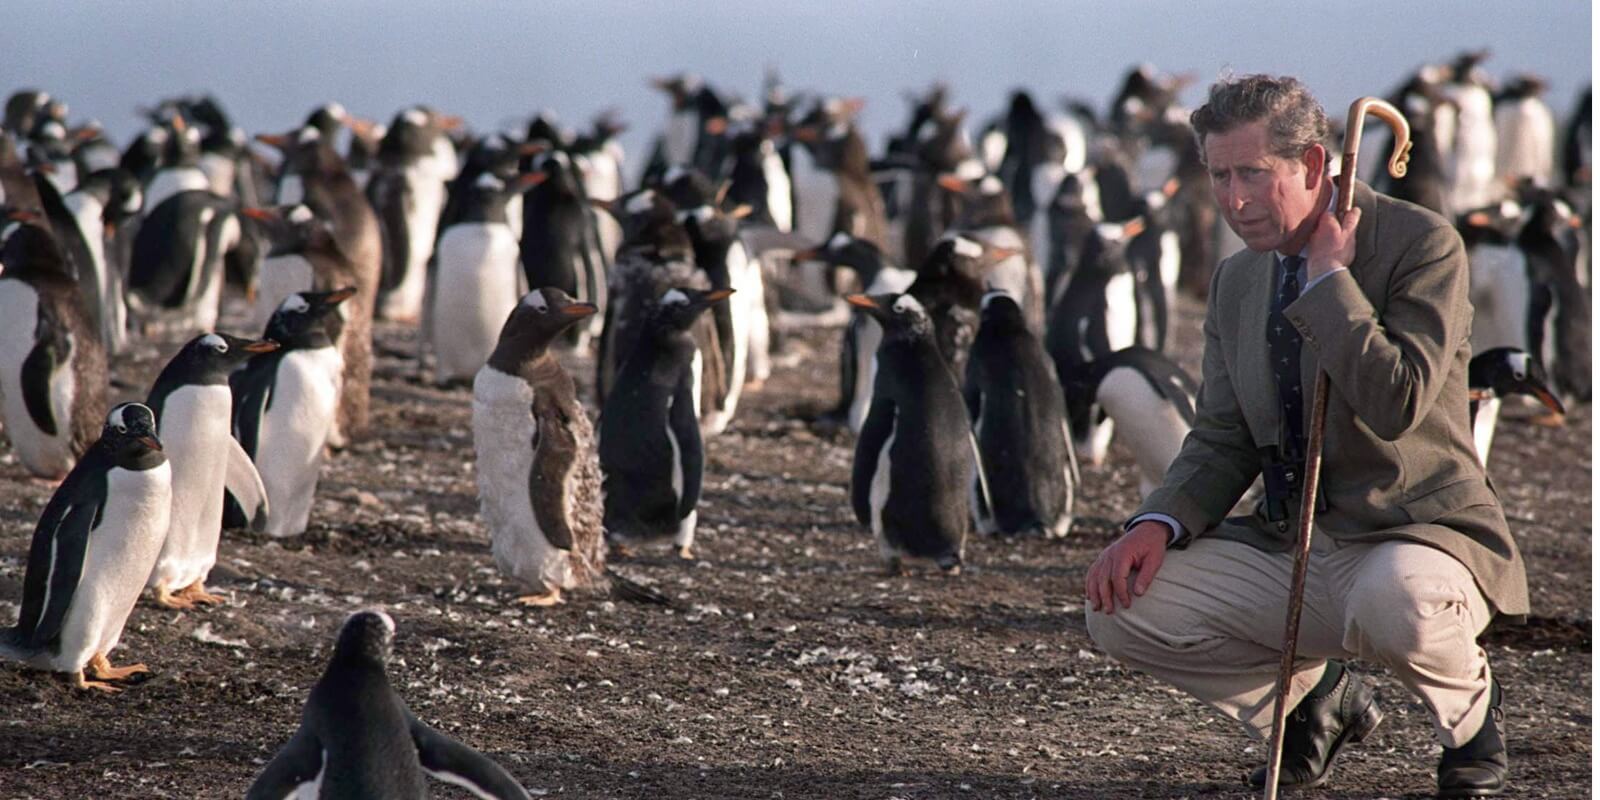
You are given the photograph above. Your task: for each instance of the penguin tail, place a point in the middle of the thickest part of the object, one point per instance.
(628, 589)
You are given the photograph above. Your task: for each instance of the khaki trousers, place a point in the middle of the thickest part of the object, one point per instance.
(1212, 625)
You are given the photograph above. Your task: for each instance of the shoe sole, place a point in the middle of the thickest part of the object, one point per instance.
(1355, 734)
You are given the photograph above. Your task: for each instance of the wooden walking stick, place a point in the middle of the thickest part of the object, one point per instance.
(1319, 412)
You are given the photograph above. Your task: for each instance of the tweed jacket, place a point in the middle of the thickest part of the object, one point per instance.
(1398, 455)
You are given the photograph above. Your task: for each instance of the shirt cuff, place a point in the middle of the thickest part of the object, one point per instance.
(1319, 278)
(1170, 522)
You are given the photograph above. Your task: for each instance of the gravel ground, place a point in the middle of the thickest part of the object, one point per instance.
(796, 670)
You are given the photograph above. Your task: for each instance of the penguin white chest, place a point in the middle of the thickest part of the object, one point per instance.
(1483, 426)
(878, 495)
(1122, 311)
(194, 432)
(503, 433)
(42, 453)
(1151, 426)
(304, 400)
(780, 192)
(476, 292)
(1500, 293)
(120, 555)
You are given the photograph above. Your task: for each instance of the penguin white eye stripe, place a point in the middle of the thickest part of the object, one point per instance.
(535, 300)
(990, 185)
(336, 110)
(840, 241)
(488, 181)
(1108, 232)
(214, 342)
(115, 418)
(674, 297)
(967, 248)
(294, 304)
(300, 215)
(415, 117)
(308, 135)
(970, 170)
(907, 303)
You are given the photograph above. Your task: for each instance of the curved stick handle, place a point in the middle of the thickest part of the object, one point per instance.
(1352, 144)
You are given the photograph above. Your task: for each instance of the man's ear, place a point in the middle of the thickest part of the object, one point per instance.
(1315, 161)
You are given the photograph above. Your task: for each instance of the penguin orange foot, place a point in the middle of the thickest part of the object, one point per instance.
(80, 682)
(686, 552)
(100, 669)
(546, 599)
(167, 599)
(196, 594)
(1550, 420)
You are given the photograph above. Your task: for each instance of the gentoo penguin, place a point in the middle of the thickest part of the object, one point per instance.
(1495, 374)
(92, 151)
(1142, 396)
(1070, 220)
(1525, 132)
(651, 454)
(944, 148)
(1472, 151)
(1015, 404)
(85, 222)
(985, 215)
(177, 266)
(1155, 254)
(859, 350)
(52, 363)
(194, 409)
(949, 289)
(1098, 313)
(829, 135)
(560, 240)
(50, 154)
(1558, 323)
(284, 403)
(76, 597)
(915, 460)
(1501, 291)
(478, 280)
(23, 110)
(288, 235)
(599, 158)
(180, 163)
(407, 191)
(357, 738)
(759, 178)
(328, 188)
(656, 255)
(323, 124)
(538, 475)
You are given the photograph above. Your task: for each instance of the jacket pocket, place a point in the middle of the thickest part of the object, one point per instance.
(1448, 499)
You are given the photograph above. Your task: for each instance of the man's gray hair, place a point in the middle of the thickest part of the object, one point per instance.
(1295, 120)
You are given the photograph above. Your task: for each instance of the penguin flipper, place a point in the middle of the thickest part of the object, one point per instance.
(49, 353)
(869, 448)
(59, 544)
(243, 483)
(295, 766)
(554, 453)
(455, 763)
(691, 453)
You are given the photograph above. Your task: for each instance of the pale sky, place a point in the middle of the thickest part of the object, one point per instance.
(497, 62)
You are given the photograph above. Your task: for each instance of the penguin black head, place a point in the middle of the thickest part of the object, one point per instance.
(985, 202)
(681, 88)
(130, 435)
(901, 315)
(845, 250)
(328, 118)
(23, 109)
(1505, 371)
(678, 307)
(552, 173)
(306, 151)
(1107, 250)
(536, 322)
(687, 187)
(367, 638)
(962, 257)
(1001, 312)
(209, 357)
(28, 247)
(302, 318)
(412, 133)
(650, 225)
(290, 229)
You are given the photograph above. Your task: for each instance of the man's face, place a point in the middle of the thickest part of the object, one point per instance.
(1265, 198)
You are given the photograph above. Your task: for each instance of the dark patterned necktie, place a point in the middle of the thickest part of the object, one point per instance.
(1283, 345)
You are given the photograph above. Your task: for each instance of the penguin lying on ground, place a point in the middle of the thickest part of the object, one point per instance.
(357, 739)
(94, 546)
(52, 363)
(915, 458)
(1015, 404)
(193, 407)
(651, 453)
(284, 404)
(538, 477)
(1496, 374)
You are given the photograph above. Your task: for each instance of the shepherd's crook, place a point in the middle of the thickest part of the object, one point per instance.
(1319, 412)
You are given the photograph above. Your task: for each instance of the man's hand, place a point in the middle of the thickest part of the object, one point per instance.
(1142, 548)
(1332, 245)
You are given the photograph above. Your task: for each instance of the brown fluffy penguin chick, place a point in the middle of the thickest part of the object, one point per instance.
(538, 473)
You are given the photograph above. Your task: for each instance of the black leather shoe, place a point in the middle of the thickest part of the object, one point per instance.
(1479, 767)
(1318, 727)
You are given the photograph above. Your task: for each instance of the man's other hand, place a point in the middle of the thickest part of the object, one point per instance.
(1142, 548)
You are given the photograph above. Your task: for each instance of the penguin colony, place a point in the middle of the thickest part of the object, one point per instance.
(1005, 307)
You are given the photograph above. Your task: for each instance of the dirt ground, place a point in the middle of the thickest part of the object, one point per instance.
(799, 671)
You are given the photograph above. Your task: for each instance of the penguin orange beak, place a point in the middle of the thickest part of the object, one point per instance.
(861, 301)
(1550, 401)
(151, 442)
(533, 148)
(263, 346)
(741, 211)
(951, 183)
(260, 214)
(718, 295)
(716, 126)
(277, 140)
(994, 256)
(342, 295)
(1132, 228)
(580, 310)
(528, 180)
(450, 122)
(808, 254)
(806, 133)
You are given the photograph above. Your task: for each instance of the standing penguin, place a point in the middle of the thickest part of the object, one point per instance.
(176, 273)
(357, 738)
(1143, 397)
(290, 237)
(1494, 375)
(538, 477)
(650, 446)
(1016, 408)
(915, 459)
(52, 363)
(77, 597)
(85, 222)
(284, 403)
(1525, 132)
(560, 244)
(858, 351)
(193, 407)
(950, 288)
(408, 193)
(478, 279)
(1098, 313)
